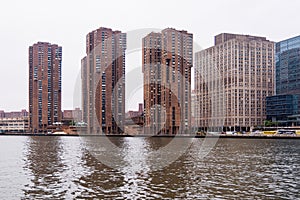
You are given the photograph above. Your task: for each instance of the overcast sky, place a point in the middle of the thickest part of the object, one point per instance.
(66, 23)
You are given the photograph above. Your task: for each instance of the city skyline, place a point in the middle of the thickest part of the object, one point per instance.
(20, 31)
(218, 39)
(150, 99)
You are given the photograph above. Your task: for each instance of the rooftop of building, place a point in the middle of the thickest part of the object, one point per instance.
(45, 43)
(224, 37)
(100, 29)
(290, 39)
(173, 29)
(167, 29)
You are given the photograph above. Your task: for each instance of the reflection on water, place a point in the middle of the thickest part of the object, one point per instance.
(64, 168)
(45, 167)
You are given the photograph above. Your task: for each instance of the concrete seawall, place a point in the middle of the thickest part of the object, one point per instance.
(241, 136)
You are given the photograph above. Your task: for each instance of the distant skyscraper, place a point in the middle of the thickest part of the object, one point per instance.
(167, 63)
(103, 81)
(232, 80)
(44, 85)
(287, 99)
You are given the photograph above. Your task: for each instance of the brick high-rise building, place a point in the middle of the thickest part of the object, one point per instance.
(167, 63)
(84, 90)
(232, 80)
(103, 81)
(44, 85)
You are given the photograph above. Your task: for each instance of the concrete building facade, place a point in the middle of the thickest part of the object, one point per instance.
(232, 80)
(19, 124)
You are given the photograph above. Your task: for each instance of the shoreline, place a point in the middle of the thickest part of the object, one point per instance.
(161, 136)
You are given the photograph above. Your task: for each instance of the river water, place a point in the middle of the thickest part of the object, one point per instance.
(68, 168)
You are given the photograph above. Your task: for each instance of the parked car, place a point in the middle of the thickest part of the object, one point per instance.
(286, 132)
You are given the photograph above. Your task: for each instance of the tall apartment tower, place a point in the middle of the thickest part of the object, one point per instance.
(103, 81)
(232, 80)
(167, 63)
(44, 85)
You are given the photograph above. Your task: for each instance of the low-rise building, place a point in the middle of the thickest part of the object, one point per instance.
(13, 114)
(280, 107)
(73, 114)
(133, 113)
(14, 124)
(70, 117)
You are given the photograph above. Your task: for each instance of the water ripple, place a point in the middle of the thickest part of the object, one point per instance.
(63, 168)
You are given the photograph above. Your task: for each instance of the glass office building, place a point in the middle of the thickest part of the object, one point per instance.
(288, 66)
(285, 102)
(279, 107)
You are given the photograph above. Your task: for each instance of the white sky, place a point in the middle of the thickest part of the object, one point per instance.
(67, 22)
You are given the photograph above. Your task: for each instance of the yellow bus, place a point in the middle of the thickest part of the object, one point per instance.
(269, 132)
